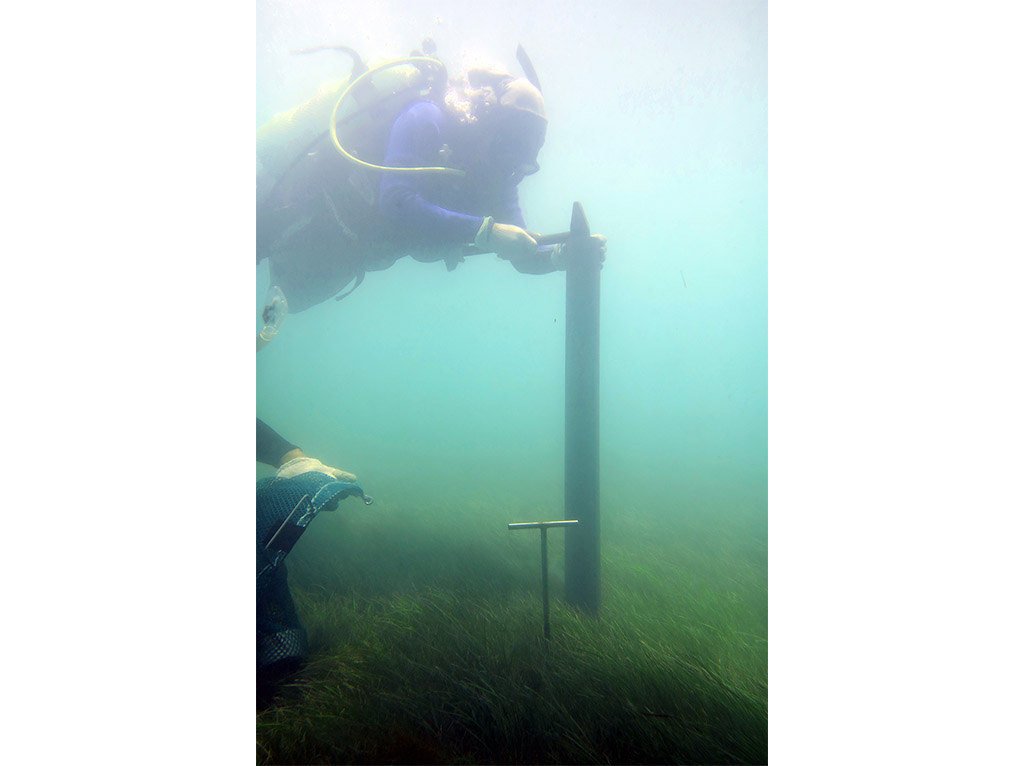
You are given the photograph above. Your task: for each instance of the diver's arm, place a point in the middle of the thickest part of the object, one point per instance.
(272, 448)
(415, 141)
(536, 262)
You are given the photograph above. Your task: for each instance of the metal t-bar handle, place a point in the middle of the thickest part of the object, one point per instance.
(543, 527)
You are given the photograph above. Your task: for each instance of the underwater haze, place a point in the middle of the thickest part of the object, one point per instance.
(444, 391)
(657, 122)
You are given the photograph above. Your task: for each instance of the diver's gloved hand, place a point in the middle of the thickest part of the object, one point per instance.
(509, 242)
(304, 464)
(559, 255)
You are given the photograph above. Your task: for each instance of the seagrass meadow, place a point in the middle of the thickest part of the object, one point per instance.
(425, 628)
(444, 392)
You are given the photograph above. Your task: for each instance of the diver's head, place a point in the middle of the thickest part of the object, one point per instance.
(523, 125)
(509, 111)
(522, 95)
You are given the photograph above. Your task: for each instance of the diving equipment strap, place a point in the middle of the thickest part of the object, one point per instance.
(359, 280)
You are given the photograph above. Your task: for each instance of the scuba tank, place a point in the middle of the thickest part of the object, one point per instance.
(362, 106)
(317, 181)
(357, 113)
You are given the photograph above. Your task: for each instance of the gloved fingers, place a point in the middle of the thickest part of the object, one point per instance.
(524, 244)
(511, 241)
(525, 237)
(299, 466)
(305, 464)
(341, 475)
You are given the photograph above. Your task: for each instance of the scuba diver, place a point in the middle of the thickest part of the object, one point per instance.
(285, 505)
(452, 156)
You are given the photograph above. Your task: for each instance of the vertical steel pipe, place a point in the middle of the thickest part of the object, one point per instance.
(582, 340)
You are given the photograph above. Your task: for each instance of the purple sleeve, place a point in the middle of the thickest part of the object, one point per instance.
(415, 141)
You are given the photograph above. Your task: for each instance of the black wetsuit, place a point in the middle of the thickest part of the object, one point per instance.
(270, 445)
(281, 642)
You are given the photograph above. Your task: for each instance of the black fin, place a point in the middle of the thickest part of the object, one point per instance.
(528, 70)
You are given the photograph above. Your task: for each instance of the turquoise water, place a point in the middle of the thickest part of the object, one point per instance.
(455, 380)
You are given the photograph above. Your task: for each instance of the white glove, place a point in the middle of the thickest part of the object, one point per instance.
(509, 242)
(304, 464)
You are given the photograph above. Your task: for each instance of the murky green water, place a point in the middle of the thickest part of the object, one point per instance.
(444, 391)
(657, 125)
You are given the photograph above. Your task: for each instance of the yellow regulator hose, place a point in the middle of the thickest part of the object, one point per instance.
(382, 168)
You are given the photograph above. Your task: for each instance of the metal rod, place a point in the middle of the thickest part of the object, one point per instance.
(544, 579)
(542, 239)
(540, 524)
(582, 375)
(543, 527)
(270, 542)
